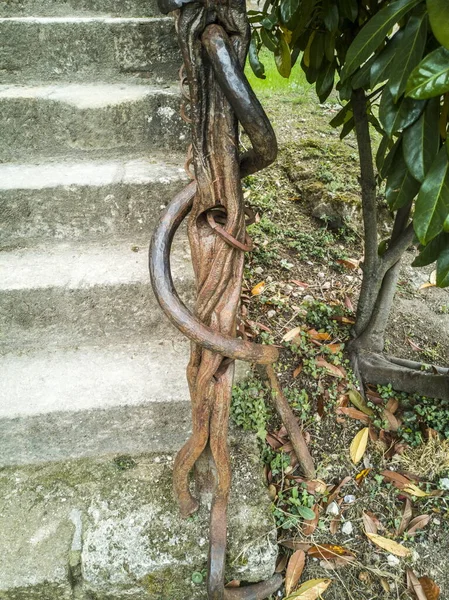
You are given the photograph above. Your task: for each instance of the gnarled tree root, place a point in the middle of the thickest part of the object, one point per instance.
(403, 375)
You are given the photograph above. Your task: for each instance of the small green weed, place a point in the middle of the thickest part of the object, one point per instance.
(248, 408)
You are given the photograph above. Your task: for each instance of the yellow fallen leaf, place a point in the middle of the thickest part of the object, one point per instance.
(258, 289)
(311, 590)
(414, 490)
(358, 401)
(358, 445)
(388, 545)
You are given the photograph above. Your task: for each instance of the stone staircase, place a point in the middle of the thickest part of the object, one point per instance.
(93, 397)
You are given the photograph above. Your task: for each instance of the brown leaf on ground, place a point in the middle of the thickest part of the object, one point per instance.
(430, 588)
(407, 513)
(389, 545)
(294, 570)
(348, 303)
(299, 283)
(414, 346)
(392, 405)
(337, 563)
(418, 523)
(369, 523)
(235, 583)
(315, 335)
(298, 370)
(273, 442)
(309, 527)
(336, 490)
(393, 423)
(328, 551)
(344, 320)
(400, 481)
(350, 263)
(334, 348)
(281, 563)
(293, 544)
(332, 370)
(353, 413)
(335, 525)
(415, 586)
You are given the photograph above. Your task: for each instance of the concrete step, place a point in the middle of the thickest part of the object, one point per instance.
(78, 119)
(90, 401)
(79, 8)
(66, 294)
(109, 527)
(119, 196)
(87, 48)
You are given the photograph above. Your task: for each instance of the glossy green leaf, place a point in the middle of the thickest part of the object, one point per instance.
(282, 57)
(374, 32)
(317, 51)
(349, 9)
(389, 158)
(439, 20)
(431, 77)
(330, 15)
(343, 115)
(288, 10)
(361, 78)
(269, 39)
(306, 513)
(443, 268)
(429, 254)
(409, 54)
(305, 14)
(397, 116)
(422, 141)
(383, 150)
(380, 68)
(325, 81)
(347, 128)
(432, 205)
(401, 186)
(329, 45)
(256, 65)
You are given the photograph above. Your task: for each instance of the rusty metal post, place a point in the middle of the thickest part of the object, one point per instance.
(214, 40)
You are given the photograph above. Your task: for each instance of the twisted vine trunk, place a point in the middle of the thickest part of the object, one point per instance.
(214, 41)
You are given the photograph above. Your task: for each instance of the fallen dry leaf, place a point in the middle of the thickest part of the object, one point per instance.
(414, 585)
(335, 525)
(258, 289)
(235, 583)
(358, 401)
(290, 335)
(418, 523)
(386, 586)
(360, 477)
(414, 490)
(292, 544)
(294, 570)
(426, 285)
(328, 551)
(392, 405)
(400, 481)
(393, 423)
(311, 590)
(369, 523)
(353, 413)
(350, 263)
(281, 563)
(388, 545)
(430, 588)
(334, 348)
(315, 335)
(344, 320)
(415, 347)
(406, 516)
(331, 369)
(336, 490)
(358, 445)
(297, 371)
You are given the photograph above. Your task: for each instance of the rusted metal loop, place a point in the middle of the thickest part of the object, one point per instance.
(184, 117)
(175, 309)
(229, 239)
(256, 591)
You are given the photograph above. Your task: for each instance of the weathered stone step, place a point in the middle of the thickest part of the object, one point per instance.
(76, 119)
(88, 401)
(109, 527)
(64, 8)
(66, 294)
(87, 48)
(81, 199)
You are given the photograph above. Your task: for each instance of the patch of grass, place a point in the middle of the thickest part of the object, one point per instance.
(429, 460)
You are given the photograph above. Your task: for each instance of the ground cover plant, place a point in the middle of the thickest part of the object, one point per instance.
(300, 291)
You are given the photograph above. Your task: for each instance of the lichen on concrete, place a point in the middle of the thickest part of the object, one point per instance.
(110, 528)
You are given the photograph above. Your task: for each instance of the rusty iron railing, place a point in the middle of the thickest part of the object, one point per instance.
(214, 39)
